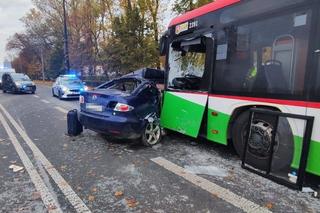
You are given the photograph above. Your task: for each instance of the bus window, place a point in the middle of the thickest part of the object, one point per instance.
(187, 65)
(283, 51)
(265, 57)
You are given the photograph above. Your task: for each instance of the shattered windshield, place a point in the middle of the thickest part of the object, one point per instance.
(187, 66)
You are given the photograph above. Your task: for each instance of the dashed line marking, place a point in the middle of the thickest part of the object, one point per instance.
(61, 109)
(45, 101)
(216, 190)
(66, 189)
(36, 96)
(51, 204)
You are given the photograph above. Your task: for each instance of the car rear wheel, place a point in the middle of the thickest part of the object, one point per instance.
(53, 95)
(4, 91)
(259, 144)
(151, 134)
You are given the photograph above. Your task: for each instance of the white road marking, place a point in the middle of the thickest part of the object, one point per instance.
(45, 101)
(61, 109)
(224, 194)
(39, 184)
(36, 96)
(20, 123)
(66, 189)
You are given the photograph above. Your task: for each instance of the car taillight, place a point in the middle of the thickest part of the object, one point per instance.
(123, 108)
(81, 99)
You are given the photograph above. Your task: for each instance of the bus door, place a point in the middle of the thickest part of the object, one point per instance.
(314, 105)
(188, 81)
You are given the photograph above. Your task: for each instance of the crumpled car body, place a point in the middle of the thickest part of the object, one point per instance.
(120, 108)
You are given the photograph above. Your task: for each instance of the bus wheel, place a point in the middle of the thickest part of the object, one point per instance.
(259, 144)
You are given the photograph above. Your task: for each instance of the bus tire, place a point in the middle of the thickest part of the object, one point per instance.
(259, 146)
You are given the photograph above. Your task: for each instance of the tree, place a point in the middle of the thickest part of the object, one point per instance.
(120, 36)
(182, 6)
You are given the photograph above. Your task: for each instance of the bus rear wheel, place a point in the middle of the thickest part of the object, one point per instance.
(259, 144)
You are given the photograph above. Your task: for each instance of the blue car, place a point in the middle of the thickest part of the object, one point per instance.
(68, 87)
(125, 108)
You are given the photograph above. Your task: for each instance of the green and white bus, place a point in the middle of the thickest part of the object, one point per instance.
(233, 55)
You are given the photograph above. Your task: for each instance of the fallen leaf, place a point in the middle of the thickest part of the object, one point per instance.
(51, 207)
(91, 198)
(63, 167)
(16, 168)
(65, 145)
(36, 196)
(118, 193)
(131, 202)
(4, 157)
(13, 161)
(269, 205)
(94, 190)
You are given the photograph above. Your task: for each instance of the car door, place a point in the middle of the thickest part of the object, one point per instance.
(12, 86)
(55, 87)
(149, 100)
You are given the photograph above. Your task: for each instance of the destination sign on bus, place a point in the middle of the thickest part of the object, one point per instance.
(186, 26)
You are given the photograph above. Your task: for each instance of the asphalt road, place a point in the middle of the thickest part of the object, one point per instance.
(92, 173)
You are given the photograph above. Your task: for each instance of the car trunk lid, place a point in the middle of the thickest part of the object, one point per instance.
(102, 101)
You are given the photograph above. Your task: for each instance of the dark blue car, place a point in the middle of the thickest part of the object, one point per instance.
(125, 108)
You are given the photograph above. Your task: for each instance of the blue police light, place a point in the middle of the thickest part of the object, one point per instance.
(71, 76)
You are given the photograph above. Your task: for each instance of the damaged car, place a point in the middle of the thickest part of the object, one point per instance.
(124, 108)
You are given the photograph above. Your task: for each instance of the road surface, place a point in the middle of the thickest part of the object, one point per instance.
(90, 173)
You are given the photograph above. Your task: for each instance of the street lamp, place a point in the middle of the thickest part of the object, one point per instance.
(66, 45)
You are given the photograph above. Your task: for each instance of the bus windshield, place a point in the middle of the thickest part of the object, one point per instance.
(187, 65)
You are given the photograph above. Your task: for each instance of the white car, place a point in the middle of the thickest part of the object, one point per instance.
(68, 87)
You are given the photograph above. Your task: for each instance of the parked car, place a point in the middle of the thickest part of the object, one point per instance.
(67, 87)
(2, 71)
(17, 83)
(126, 108)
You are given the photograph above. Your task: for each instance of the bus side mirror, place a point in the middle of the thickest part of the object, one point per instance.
(163, 45)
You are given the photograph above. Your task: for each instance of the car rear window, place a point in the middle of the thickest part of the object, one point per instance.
(124, 85)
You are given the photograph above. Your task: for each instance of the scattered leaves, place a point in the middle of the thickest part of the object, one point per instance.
(94, 190)
(63, 167)
(118, 193)
(51, 207)
(36, 196)
(91, 198)
(131, 202)
(269, 205)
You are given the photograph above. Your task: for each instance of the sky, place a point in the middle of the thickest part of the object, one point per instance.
(11, 11)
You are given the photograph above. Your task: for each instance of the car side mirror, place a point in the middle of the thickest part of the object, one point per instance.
(163, 45)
